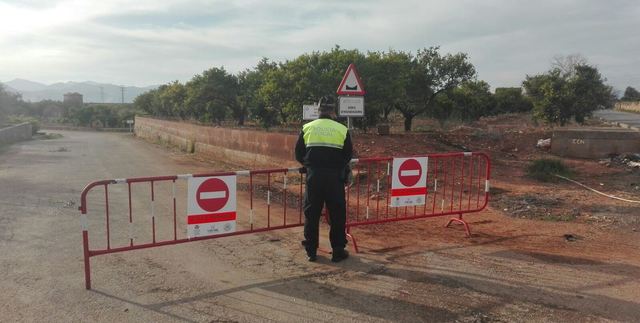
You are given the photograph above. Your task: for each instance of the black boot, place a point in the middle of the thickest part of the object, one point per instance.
(311, 252)
(339, 255)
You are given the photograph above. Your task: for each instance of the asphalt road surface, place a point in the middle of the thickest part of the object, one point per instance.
(626, 119)
(409, 272)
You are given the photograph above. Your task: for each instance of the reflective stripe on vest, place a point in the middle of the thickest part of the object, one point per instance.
(324, 133)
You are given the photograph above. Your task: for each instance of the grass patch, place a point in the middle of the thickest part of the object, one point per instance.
(558, 218)
(545, 169)
(48, 136)
(60, 150)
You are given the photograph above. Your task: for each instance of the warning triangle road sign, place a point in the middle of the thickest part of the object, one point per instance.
(351, 83)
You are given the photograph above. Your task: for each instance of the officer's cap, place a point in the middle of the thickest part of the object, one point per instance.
(327, 104)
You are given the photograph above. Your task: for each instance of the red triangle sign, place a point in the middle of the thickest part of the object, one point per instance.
(351, 83)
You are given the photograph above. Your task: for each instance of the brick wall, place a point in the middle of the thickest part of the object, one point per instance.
(252, 148)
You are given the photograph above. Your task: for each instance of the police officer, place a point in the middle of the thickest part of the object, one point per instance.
(324, 148)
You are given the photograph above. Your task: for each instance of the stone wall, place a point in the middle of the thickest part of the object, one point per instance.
(628, 106)
(15, 133)
(252, 148)
(594, 142)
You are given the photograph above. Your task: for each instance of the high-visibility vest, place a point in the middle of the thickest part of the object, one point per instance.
(324, 133)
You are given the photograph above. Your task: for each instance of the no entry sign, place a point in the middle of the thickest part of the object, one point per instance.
(409, 181)
(211, 207)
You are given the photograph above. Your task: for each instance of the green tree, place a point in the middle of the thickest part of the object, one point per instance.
(212, 95)
(145, 102)
(558, 96)
(431, 75)
(49, 110)
(510, 99)
(171, 99)
(467, 102)
(249, 83)
(631, 94)
(80, 116)
(386, 77)
(106, 115)
(305, 79)
(10, 103)
(273, 95)
(473, 100)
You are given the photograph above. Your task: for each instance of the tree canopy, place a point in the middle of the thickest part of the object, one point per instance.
(9, 103)
(630, 94)
(561, 95)
(428, 83)
(273, 93)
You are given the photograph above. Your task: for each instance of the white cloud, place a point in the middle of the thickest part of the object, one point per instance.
(146, 42)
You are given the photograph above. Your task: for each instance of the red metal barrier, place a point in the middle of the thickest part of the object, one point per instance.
(268, 200)
(457, 183)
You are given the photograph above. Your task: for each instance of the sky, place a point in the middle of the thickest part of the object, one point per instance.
(147, 42)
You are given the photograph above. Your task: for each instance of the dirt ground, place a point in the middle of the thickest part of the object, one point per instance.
(511, 143)
(573, 258)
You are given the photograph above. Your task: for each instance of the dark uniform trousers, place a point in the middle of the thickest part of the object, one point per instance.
(325, 186)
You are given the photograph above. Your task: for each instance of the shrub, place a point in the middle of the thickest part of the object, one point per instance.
(545, 169)
(18, 119)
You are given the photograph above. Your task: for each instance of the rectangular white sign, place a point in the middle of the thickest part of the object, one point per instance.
(211, 205)
(352, 106)
(310, 112)
(409, 181)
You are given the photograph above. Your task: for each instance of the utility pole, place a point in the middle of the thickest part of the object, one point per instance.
(122, 90)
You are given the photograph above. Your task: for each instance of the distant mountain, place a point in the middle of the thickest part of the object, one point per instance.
(92, 92)
(25, 85)
(8, 88)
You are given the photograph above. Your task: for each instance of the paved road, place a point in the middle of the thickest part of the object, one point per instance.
(40, 242)
(409, 272)
(625, 119)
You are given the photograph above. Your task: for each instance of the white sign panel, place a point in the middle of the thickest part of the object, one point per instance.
(211, 206)
(310, 112)
(352, 106)
(409, 181)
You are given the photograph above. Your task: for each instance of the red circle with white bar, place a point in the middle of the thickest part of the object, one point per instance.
(212, 195)
(409, 172)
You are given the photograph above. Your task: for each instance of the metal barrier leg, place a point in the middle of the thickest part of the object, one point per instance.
(353, 239)
(459, 220)
(87, 265)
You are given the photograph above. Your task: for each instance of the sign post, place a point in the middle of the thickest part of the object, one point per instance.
(130, 122)
(351, 95)
(409, 181)
(211, 208)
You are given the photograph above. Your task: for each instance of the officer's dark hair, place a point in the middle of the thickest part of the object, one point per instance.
(327, 105)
